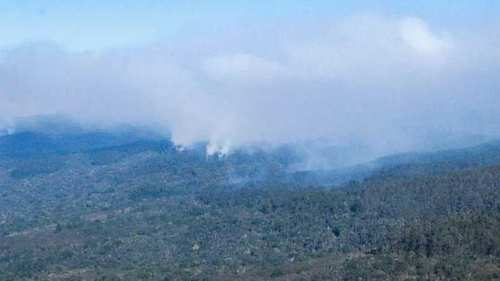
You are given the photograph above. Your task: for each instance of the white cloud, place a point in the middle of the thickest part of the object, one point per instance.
(372, 79)
(417, 35)
(243, 67)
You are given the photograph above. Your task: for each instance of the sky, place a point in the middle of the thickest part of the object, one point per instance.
(391, 75)
(97, 25)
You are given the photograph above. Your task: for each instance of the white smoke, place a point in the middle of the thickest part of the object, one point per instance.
(380, 81)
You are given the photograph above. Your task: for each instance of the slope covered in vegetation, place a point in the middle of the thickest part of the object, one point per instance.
(143, 210)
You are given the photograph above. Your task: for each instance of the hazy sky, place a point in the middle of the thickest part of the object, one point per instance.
(391, 74)
(94, 24)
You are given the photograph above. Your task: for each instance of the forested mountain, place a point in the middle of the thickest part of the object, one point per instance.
(119, 206)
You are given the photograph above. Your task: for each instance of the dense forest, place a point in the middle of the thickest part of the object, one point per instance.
(98, 206)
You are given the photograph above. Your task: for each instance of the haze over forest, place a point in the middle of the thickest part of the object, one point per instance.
(348, 77)
(249, 140)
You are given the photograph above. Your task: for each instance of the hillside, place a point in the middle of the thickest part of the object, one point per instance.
(108, 207)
